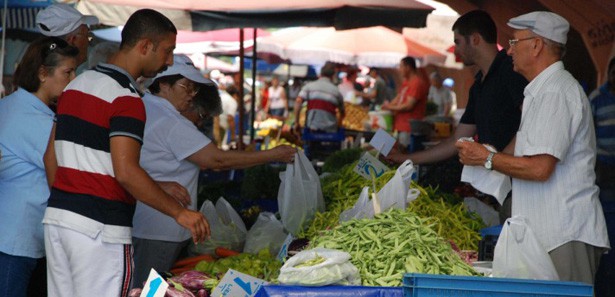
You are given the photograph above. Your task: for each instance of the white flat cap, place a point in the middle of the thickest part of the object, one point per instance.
(60, 19)
(544, 23)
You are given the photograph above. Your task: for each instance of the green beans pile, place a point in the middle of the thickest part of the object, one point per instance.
(341, 191)
(451, 221)
(393, 243)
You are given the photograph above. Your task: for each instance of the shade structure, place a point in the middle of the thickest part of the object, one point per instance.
(190, 42)
(374, 46)
(341, 14)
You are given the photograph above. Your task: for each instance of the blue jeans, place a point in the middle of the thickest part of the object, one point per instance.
(15, 275)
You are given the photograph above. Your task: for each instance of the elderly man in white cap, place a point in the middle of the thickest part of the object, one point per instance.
(555, 151)
(64, 21)
(173, 151)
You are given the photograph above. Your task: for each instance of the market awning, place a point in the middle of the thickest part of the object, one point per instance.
(341, 14)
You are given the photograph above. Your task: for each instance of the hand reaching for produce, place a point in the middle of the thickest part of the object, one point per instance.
(177, 191)
(196, 223)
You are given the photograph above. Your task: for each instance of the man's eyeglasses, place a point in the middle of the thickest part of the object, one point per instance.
(512, 42)
(192, 90)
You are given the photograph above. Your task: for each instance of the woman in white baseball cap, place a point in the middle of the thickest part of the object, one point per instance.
(173, 152)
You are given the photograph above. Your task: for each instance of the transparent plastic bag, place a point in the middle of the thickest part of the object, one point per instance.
(333, 268)
(227, 228)
(267, 232)
(300, 194)
(518, 254)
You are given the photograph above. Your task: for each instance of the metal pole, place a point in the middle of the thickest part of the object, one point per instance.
(253, 103)
(241, 107)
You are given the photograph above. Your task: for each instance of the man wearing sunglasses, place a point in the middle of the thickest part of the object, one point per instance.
(64, 21)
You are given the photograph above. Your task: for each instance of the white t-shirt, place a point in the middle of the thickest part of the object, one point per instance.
(556, 120)
(229, 108)
(169, 139)
(275, 98)
(440, 97)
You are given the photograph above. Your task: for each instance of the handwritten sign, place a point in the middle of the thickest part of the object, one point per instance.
(155, 286)
(382, 141)
(237, 284)
(369, 165)
(283, 253)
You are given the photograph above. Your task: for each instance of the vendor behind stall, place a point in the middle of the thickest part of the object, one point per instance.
(554, 151)
(173, 152)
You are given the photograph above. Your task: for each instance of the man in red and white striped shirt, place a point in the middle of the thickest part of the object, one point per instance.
(93, 166)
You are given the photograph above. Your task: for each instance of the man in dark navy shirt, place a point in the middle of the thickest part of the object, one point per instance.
(493, 112)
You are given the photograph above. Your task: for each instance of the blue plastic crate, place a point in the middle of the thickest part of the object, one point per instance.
(428, 285)
(309, 135)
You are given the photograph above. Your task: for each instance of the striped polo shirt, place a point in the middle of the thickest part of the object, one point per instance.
(86, 197)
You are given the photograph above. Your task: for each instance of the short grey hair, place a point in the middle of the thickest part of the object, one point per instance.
(101, 53)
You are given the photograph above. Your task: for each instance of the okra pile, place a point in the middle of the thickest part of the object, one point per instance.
(391, 244)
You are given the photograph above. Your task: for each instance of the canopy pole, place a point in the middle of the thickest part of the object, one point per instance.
(240, 145)
(253, 102)
(3, 48)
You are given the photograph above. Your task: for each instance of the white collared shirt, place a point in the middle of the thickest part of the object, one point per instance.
(556, 120)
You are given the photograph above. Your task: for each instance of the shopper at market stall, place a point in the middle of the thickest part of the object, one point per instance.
(378, 93)
(93, 162)
(25, 124)
(173, 151)
(277, 103)
(64, 21)
(440, 95)
(410, 102)
(493, 112)
(552, 167)
(602, 102)
(324, 103)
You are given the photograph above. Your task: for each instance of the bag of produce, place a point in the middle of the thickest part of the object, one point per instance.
(395, 193)
(319, 267)
(227, 228)
(300, 194)
(518, 254)
(267, 232)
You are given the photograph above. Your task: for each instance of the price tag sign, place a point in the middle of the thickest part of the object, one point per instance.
(155, 286)
(369, 165)
(237, 284)
(383, 142)
(283, 253)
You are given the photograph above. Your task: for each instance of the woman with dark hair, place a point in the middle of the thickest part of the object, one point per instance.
(25, 125)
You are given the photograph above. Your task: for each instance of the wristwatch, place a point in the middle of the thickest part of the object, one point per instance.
(489, 162)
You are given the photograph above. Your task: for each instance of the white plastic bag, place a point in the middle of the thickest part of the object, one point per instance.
(335, 269)
(518, 254)
(394, 194)
(227, 228)
(300, 194)
(267, 232)
(361, 209)
(489, 215)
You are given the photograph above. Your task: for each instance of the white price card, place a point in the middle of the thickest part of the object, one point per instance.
(283, 253)
(369, 165)
(155, 286)
(382, 141)
(237, 284)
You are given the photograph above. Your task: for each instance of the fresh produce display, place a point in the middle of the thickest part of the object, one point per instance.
(393, 243)
(262, 265)
(341, 158)
(451, 221)
(341, 191)
(355, 116)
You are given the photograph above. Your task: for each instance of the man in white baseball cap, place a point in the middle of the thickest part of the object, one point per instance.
(552, 167)
(64, 21)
